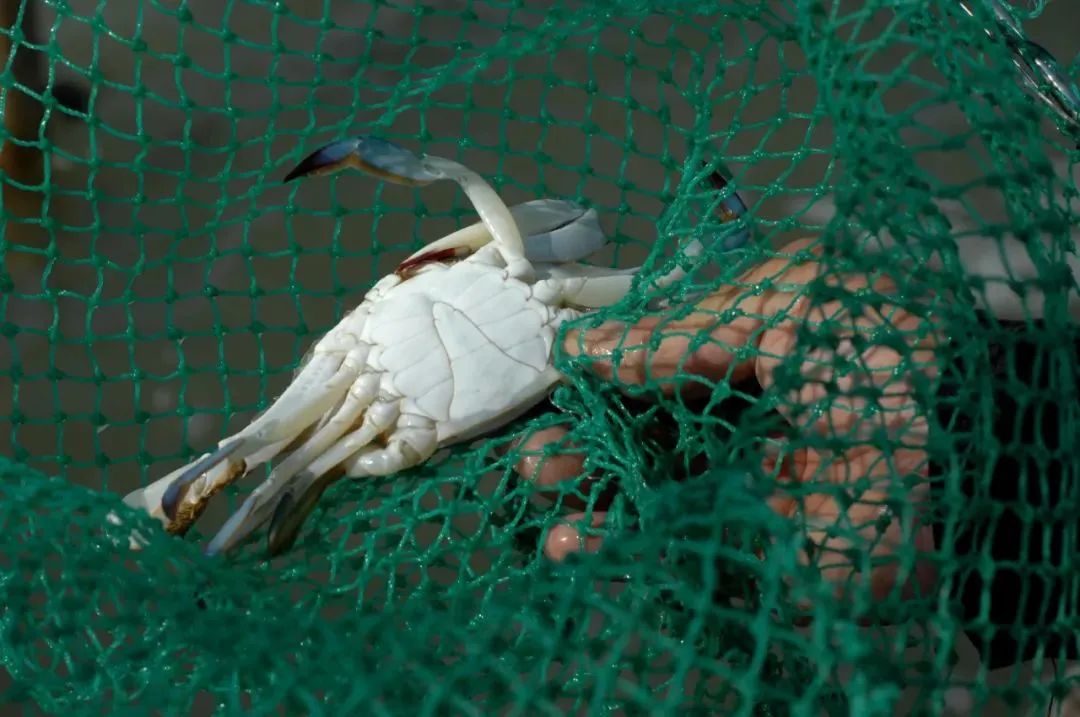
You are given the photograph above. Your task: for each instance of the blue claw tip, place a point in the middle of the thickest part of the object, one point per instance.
(378, 157)
(732, 208)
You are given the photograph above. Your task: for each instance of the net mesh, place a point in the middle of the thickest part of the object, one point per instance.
(861, 408)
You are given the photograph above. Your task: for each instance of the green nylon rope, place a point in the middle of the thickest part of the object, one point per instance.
(168, 283)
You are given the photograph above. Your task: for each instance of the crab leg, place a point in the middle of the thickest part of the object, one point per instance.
(413, 442)
(336, 362)
(322, 452)
(594, 287)
(287, 498)
(561, 239)
(554, 230)
(394, 163)
(149, 499)
(362, 394)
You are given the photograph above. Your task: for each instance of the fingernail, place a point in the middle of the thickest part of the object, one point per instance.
(564, 539)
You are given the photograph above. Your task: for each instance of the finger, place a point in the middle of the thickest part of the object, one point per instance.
(853, 516)
(572, 536)
(864, 380)
(550, 461)
(857, 396)
(541, 461)
(657, 348)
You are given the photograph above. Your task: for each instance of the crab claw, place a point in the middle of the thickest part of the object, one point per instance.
(389, 161)
(555, 230)
(731, 209)
(371, 155)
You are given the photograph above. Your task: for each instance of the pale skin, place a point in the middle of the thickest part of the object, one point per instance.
(765, 320)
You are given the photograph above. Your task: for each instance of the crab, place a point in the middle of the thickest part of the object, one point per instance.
(456, 343)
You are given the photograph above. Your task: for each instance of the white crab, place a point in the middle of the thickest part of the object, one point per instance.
(454, 344)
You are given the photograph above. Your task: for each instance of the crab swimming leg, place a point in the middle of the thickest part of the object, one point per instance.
(393, 163)
(149, 498)
(319, 455)
(285, 491)
(555, 231)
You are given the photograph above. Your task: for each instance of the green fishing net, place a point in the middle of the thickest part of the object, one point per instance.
(169, 283)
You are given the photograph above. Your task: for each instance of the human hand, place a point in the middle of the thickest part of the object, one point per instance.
(853, 392)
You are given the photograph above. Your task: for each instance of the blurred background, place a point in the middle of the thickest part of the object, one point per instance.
(178, 280)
